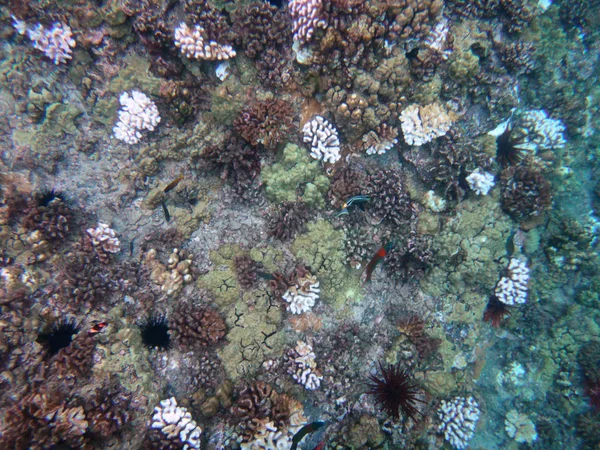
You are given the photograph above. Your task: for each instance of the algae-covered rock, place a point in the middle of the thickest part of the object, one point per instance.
(296, 174)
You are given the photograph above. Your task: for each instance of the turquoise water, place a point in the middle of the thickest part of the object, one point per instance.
(328, 224)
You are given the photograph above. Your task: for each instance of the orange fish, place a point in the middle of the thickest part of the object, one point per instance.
(98, 328)
(381, 253)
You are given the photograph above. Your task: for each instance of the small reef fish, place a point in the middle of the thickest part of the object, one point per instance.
(166, 211)
(100, 326)
(173, 184)
(320, 446)
(352, 201)
(306, 429)
(381, 253)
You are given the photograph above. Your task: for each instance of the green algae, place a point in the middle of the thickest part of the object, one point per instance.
(296, 174)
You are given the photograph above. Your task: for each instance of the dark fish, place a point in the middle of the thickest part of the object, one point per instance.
(173, 184)
(306, 429)
(353, 201)
(265, 275)
(166, 211)
(381, 253)
(131, 247)
(510, 244)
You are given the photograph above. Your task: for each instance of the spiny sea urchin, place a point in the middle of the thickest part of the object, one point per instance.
(155, 332)
(58, 335)
(395, 390)
(496, 312)
(47, 196)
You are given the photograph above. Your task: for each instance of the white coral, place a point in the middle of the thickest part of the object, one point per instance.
(323, 139)
(175, 422)
(422, 124)
(105, 238)
(438, 37)
(520, 427)
(512, 288)
(307, 16)
(193, 44)
(304, 366)
(458, 419)
(138, 113)
(544, 132)
(302, 296)
(480, 182)
(57, 43)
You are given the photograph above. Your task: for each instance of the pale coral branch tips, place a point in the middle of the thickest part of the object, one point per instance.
(193, 44)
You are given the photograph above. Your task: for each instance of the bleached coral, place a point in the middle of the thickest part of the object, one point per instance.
(520, 427)
(544, 132)
(380, 140)
(57, 43)
(302, 296)
(104, 238)
(323, 138)
(307, 16)
(192, 44)
(512, 288)
(437, 40)
(304, 367)
(176, 423)
(480, 182)
(458, 420)
(422, 124)
(138, 113)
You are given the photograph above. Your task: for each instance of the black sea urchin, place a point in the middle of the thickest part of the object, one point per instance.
(395, 390)
(59, 335)
(155, 332)
(47, 196)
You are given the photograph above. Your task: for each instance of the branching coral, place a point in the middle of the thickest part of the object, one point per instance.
(268, 123)
(175, 425)
(411, 260)
(261, 26)
(238, 162)
(303, 294)
(289, 219)
(525, 192)
(194, 44)
(458, 419)
(104, 241)
(422, 124)
(49, 214)
(197, 326)
(389, 199)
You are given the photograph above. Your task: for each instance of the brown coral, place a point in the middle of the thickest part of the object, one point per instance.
(261, 26)
(245, 268)
(526, 193)
(268, 123)
(415, 18)
(48, 214)
(108, 410)
(410, 261)
(197, 326)
(389, 199)
(238, 162)
(347, 181)
(288, 220)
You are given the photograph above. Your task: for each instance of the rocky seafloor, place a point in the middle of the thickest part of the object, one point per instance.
(234, 224)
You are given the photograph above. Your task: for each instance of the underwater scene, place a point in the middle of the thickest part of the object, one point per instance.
(299, 225)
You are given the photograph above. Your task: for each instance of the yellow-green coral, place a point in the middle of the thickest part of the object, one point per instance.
(321, 249)
(253, 336)
(296, 172)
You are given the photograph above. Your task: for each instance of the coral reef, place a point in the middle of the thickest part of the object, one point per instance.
(410, 261)
(380, 140)
(104, 240)
(288, 220)
(194, 326)
(422, 124)
(268, 123)
(307, 16)
(520, 427)
(389, 198)
(57, 43)
(458, 419)
(303, 294)
(512, 288)
(137, 113)
(323, 139)
(303, 367)
(526, 193)
(175, 425)
(480, 182)
(193, 44)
